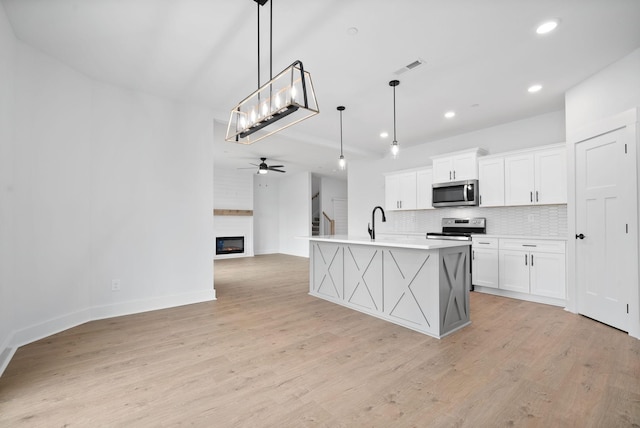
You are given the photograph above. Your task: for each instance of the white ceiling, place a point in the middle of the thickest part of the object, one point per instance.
(481, 55)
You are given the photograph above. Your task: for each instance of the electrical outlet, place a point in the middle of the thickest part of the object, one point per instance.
(530, 218)
(115, 285)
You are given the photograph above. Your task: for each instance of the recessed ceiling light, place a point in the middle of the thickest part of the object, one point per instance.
(450, 114)
(547, 26)
(352, 31)
(384, 134)
(534, 88)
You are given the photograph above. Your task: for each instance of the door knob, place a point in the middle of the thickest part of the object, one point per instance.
(581, 236)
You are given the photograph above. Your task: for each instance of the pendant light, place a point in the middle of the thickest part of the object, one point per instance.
(286, 99)
(341, 162)
(394, 145)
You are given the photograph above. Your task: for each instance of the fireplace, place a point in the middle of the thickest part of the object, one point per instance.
(229, 244)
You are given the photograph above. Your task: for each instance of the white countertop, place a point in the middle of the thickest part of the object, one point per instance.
(418, 243)
(529, 237)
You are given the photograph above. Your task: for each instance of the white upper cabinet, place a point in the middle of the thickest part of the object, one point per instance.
(424, 189)
(400, 191)
(519, 179)
(491, 181)
(456, 166)
(551, 176)
(536, 177)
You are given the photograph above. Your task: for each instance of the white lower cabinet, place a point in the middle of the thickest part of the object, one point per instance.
(484, 259)
(536, 267)
(514, 270)
(529, 269)
(546, 274)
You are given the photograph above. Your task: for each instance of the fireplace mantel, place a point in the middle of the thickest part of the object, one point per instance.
(232, 212)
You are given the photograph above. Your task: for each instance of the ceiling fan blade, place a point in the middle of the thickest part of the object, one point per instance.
(276, 166)
(276, 170)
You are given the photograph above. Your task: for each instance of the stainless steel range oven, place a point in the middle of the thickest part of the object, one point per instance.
(460, 229)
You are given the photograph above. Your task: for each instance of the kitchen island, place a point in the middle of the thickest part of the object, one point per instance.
(413, 282)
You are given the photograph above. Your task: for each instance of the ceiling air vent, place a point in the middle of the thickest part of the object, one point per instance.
(415, 64)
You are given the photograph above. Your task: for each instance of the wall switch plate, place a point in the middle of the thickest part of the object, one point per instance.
(115, 285)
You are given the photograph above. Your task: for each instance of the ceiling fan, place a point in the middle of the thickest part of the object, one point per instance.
(263, 168)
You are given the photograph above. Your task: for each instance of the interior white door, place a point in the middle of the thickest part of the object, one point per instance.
(600, 228)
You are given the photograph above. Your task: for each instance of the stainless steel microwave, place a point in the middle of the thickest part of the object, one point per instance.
(455, 194)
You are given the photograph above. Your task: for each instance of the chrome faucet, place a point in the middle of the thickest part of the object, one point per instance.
(371, 228)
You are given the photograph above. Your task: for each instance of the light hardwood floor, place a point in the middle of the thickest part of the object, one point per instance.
(267, 354)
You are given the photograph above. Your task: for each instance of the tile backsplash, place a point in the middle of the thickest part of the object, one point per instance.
(543, 220)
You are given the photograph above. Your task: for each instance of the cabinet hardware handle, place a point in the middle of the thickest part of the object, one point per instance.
(449, 175)
(525, 260)
(529, 245)
(480, 197)
(581, 236)
(473, 255)
(484, 243)
(536, 196)
(531, 196)
(531, 259)
(454, 175)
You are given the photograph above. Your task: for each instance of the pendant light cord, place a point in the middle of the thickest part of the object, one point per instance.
(271, 41)
(341, 133)
(394, 115)
(258, 4)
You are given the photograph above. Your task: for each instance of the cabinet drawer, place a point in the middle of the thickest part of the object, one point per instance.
(479, 242)
(543, 246)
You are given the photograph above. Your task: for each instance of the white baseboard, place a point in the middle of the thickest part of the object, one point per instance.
(138, 306)
(56, 325)
(6, 353)
(51, 326)
(521, 296)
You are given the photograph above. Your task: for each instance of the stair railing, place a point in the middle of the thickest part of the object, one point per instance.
(332, 223)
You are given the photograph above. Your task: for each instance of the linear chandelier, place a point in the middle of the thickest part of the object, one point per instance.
(283, 101)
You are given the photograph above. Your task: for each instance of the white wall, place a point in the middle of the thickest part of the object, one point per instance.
(366, 180)
(592, 104)
(295, 213)
(7, 52)
(107, 184)
(266, 214)
(233, 189)
(330, 189)
(605, 94)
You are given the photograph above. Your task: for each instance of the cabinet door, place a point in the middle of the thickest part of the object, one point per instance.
(442, 170)
(484, 270)
(491, 182)
(514, 270)
(465, 167)
(408, 191)
(392, 192)
(519, 179)
(547, 272)
(551, 176)
(424, 189)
